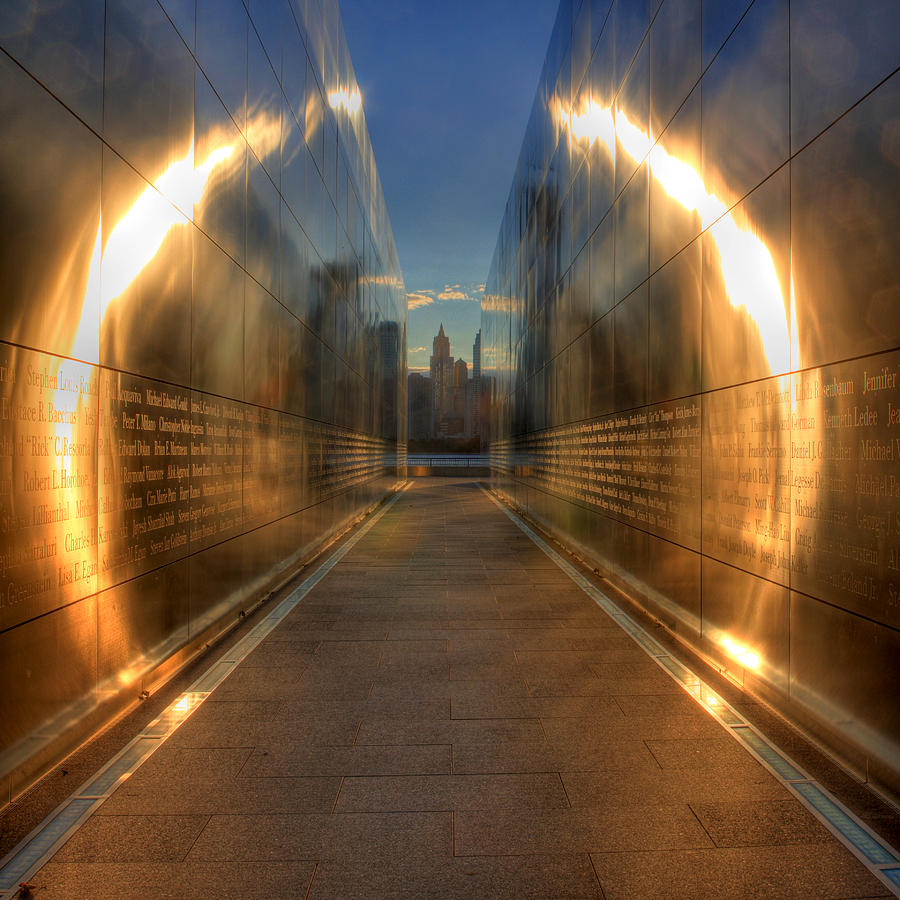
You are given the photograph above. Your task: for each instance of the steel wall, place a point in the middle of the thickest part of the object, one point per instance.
(692, 328)
(202, 336)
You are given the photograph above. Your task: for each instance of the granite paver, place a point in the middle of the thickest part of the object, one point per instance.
(446, 714)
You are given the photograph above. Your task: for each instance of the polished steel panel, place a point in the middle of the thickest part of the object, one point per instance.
(674, 572)
(183, 14)
(263, 227)
(845, 512)
(140, 624)
(675, 327)
(580, 310)
(148, 97)
(217, 320)
(264, 105)
(222, 52)
(296, 252)
(746, 104)
(838, 52)
(50, 411)
(674, 223)
(293, 74)
(630, 350)
(49, 256)
(674, 59)
(842, 690)
(603, 268)
(262, 363)
(293, 163)
(145, 277)
(747, 477)
(719, 18)
(30, 714)
(846, 234)
(581, 208)
(581, 46)
(750, 639)
(579, 377)
(632, 111)
(274, 23)
(220, 210)
(61, 43)
(631, 19)
(601, 383)
(748, 327)
(632, 233)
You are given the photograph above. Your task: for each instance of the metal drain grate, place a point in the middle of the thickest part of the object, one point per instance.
(43, 840)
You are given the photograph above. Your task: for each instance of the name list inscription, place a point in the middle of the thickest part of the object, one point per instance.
(794, 479)
(105, 476)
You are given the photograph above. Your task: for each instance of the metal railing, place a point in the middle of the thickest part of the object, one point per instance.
(441, 460)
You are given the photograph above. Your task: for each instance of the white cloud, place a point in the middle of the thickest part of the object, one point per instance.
(419, 299)
(468, 293)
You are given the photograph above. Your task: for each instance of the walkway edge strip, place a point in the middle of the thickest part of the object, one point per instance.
(35, 849)
(879, 857)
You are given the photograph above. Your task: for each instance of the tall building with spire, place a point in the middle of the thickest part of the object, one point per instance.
(475, 428)
(441, 379)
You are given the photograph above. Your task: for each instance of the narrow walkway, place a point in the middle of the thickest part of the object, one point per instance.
(448, 715)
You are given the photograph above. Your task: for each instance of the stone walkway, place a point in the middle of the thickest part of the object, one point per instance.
(447, 715)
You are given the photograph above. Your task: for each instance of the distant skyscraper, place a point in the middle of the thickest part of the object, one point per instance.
(441, 380)
(460, 377)
(460, 384)
(389, 339)
(419, 391)
(475, 414)
(476, 355)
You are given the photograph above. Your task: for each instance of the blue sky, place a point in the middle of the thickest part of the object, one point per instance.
(447, 89)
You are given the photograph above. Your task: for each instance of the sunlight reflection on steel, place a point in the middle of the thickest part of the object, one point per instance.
(744, 655)
(137, 237)
(748, 270)
(130, 247)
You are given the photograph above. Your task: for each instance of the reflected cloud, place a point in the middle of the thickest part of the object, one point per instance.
(348, 99)
(263, 132)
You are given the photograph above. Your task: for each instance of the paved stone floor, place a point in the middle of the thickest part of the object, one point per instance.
(447, 715)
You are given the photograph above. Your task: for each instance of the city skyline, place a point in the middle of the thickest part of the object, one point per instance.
(446, 147)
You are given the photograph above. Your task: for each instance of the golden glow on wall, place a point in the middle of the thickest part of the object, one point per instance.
(744, 655)
(136, 238)
(139, 234)
(130, 247)
(594, 123)
(748, 270)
